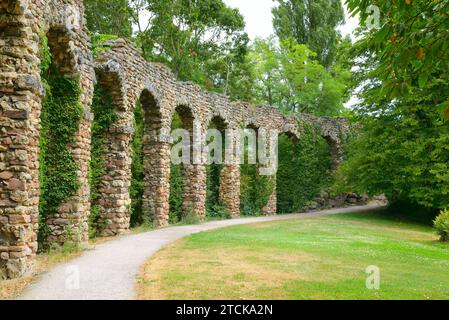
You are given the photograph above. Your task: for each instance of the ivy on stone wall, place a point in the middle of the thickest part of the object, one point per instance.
(255, 190)
(176, 212)
(304, 169)
(104, 117)
(214, 208)
(137, 169)
(60, 119)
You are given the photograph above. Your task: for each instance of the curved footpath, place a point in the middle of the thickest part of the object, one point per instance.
(109, 270)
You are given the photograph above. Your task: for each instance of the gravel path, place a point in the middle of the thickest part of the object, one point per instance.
(109, 270)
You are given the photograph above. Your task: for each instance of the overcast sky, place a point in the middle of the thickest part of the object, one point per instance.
(258, 17)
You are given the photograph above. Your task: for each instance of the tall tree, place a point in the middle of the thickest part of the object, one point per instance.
(311, 22)
(203, 40)
(402, 75)
(288, 77)
(109, 17)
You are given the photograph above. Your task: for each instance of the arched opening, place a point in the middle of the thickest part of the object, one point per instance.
(137, 188)
(303, 172)
(215, 208)
(121, 178)
(179, 118)
(149, 202)
(156, 163)
(256, 189)
(63, 178)
(188, 178)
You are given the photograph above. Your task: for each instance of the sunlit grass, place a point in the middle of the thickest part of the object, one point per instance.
(317, 258)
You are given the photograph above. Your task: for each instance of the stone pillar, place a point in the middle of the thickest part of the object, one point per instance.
(70, 222)
(230, 189)
(270, 137)
(270, 208)
(115, 200)
(21, 95)
(194, 179)
(194, 175)
(157, 181)
(337, 153)
(230, 174)
(20, 107)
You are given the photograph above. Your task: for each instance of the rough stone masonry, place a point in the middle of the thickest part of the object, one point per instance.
(129, 79)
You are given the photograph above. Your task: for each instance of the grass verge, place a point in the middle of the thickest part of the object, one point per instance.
(318, 258)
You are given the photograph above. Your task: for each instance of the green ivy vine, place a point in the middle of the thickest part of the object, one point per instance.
(60, 119)
(304, 169)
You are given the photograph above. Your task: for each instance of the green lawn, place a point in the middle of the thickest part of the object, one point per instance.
(318, 258)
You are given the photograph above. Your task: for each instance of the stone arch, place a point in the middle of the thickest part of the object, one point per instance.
(63, 55)
(334, 131)
(21, 93)
(291, 131)
(156, 150)
(70, 222)
(115, 199)
(217, 122)
(257, 127)
(194, 174)
(229, 182)
(336, 151)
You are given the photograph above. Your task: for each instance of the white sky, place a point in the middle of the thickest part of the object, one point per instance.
(257, 14)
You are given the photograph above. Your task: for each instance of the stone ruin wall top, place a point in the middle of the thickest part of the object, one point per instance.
(129, 75)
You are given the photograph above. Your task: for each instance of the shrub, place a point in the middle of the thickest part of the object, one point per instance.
(441, 224)
(190, 218)
(218, 211)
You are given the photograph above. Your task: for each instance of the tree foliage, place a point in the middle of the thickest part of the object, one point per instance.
(402, 149)
(411, 44)
(109, 17)
(138, 216)
(313, 23)
(288, 77)
(202, 41)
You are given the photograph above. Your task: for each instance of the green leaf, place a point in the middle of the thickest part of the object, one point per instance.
(422, 80)
(444, 110)
(382, 34)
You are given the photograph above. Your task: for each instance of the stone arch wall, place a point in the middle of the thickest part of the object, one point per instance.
(21, 24)
(123, 59)
(129, 79)
(334, 131)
